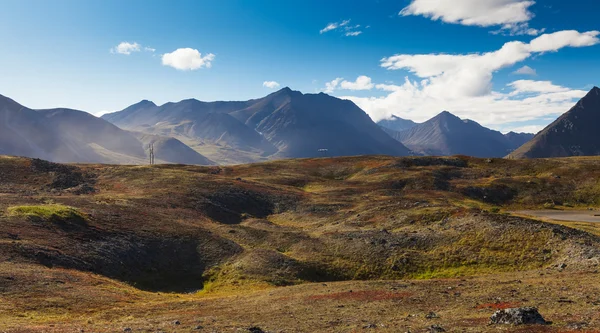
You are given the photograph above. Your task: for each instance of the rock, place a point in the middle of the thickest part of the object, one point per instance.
(435, 329)
(518, 316)
(431, 315)
(578, 326)
(127, 329)
(176, 322)
(199, 327)
(255, 329)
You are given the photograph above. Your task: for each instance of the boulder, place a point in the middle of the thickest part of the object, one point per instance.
(518, 316)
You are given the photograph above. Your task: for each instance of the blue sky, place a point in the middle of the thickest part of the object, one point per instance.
(64, 53)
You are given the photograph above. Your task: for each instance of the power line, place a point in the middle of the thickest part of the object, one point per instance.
(151, 149)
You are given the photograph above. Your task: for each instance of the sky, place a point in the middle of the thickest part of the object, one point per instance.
(507, 64)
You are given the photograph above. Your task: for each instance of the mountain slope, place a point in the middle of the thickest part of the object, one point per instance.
(25, 132)
(171, 150)
(575, 133)
(397, 124)
(518, 139)
(309, 122)
(81, 129)
(446, 134)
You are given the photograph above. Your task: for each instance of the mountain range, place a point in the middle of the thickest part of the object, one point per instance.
(284, 124)
(447, 134)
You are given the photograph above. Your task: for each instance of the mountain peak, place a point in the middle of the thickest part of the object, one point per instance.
(445, 115)
(144, 103)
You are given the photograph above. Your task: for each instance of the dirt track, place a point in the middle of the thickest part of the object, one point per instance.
(565, 215)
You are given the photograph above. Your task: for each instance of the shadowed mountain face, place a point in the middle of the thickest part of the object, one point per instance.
(65, 135)
(283, 124)
(518, 139)
(446, 134)
(397, 124)
(575, 133)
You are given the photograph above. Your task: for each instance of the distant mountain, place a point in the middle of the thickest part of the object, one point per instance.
(65, 135)
(283, 124)
(446, 134)
(518, 139)
(396, 123)
(81, 130)
(575, 133)
(170, 150)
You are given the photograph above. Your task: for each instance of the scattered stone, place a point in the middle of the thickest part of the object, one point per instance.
(127, 329)
(436, 329)
(431, 315)
(577, 326)
(255, 329)
(199, 327)
(370, 326)
(176, 322)
(565, 300)
(518, 316)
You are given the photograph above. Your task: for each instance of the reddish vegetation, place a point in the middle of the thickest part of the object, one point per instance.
(498, 306)
(363, 296)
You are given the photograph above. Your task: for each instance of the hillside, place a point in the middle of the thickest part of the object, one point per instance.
(170, 150)
(65, 135)
(518, 139)
(103, 247)
(446, 134)
(396, 124)
(572, 134)
(284, 124)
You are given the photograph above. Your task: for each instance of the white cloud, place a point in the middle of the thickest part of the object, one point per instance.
(270, 84)
(518, 29)
(335, 25)
(528, 129)
(350, 30)
(353, 33)
(362, 83)
(525, 70)
(462, 84)
(555, 41)
(329, 27)
(483, 13)
(126, 48)
(332, 85)
(530, 86)
(187, 59)
(511, 15)
(149, 49)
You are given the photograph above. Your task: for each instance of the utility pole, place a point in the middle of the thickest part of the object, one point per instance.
(151, 149)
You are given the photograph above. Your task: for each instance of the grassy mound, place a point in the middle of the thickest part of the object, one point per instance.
(51, 212)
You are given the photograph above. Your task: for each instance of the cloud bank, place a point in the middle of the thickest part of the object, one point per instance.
(462, 84)
(512, 16)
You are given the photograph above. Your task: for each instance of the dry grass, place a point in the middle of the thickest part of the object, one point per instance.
(209, 245)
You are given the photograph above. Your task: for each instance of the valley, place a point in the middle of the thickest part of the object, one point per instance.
(341, 244)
